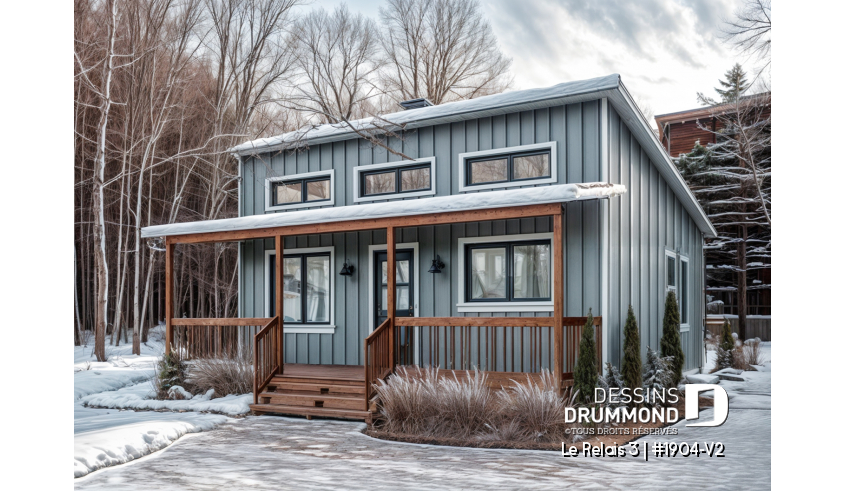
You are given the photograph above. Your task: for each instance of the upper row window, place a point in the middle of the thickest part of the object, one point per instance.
(300, 191)
(396, 180)
(510, 167)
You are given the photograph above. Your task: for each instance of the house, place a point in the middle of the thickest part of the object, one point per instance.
(503, 222)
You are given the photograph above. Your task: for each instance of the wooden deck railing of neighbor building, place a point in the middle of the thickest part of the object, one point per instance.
(268, 356)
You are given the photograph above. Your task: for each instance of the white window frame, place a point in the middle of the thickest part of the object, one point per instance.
(356, 179)
(268, 191)
(684, 307)
(533, 306)
(678, 259)
(463, 157)
(304, 328)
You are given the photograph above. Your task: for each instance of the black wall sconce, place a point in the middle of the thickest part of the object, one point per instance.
(436, 265)
(347, 269)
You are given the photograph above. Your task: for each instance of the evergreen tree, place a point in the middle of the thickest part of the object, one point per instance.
(586, 369)
(732, 87)
(657, 373)
(611, 380)
(670, 343)
(725, 351)
(727, 343)
(632, 368)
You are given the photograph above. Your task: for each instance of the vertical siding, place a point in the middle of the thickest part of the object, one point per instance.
(644, 223)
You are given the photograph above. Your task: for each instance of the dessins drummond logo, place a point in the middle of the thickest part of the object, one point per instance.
(720, 404)
(622, 405)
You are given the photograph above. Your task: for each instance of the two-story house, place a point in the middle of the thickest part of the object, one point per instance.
(482, 239)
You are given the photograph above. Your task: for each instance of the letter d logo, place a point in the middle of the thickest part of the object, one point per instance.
(720, 403)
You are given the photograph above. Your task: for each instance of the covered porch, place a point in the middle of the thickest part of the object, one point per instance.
(508, 348)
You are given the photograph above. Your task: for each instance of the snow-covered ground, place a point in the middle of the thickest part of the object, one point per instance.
(106, 437)
(269, 452)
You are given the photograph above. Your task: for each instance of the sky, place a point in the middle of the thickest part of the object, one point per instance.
(665, 50)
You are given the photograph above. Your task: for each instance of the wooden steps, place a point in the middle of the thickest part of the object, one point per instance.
(322, 391)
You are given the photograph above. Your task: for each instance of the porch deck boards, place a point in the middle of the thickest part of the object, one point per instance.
(350, 373)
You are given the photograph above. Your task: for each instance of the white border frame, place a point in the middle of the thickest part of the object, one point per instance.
(464, 306)
(303, 328)
(678, 258)
(356, 179)
(268, 190)
(371, 287)
(684, 259)
(462, 158)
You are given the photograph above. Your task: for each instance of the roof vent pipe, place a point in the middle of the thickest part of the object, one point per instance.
(415, 103)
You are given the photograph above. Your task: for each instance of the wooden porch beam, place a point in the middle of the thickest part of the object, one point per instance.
(168, 293)
(505, 213)
(557, 261)
(391, 291)
(280, 304)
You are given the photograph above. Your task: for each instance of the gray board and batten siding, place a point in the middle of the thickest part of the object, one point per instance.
(643, 222)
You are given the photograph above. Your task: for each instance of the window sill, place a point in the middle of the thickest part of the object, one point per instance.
(316, 204)
(388, 197)
(300, 329)
(684, 327)
(464, 188)
(505, 307)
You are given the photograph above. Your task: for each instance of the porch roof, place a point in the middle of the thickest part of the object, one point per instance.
(559, 193)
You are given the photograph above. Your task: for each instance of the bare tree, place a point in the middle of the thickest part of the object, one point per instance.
(443, 50)
(749, 32)
(336, 57)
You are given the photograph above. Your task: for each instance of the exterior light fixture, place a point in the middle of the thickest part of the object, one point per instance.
(436, 265)
(347, 269)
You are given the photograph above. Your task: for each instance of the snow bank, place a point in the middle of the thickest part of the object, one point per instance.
(93, 381)
(140, 397)
(129, 435)
(558, 193)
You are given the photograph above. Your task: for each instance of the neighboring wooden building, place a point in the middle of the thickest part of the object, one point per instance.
(679, 131)
(512, 217)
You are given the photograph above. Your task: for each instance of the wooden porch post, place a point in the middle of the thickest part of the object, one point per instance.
(557, 260)
(168, 293)
(391, 291)
(280, 304)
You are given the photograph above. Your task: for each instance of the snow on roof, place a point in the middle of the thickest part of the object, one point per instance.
(558, 193)
(429, 115)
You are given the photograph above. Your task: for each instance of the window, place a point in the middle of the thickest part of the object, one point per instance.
(300, 190)
(505, 168)
(398, 180)
(512, 166)
(395, 179)
(677, 280)
(308, 289)
(506, 272)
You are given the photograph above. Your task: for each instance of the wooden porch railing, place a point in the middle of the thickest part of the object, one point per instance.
(268, 356)
(210, 338)
(378, 355)
(499, 344)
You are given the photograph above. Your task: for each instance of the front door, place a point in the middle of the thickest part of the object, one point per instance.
(404, 285)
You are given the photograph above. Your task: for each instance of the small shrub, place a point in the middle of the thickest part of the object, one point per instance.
(611, 380)
(408, 402)
(658, 373)
(670, 342)
(586, 368)
(225, 376)
(753, 353)
(632, 364)
(171, 371)
(465, 406)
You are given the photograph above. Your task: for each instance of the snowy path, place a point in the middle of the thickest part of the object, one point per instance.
(270, 452)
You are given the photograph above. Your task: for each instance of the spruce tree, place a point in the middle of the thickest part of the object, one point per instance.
(657, 374)
(734, 86)
(586, 369)
(612, 379)
(632, 368)
(670, 343)
(725, 352)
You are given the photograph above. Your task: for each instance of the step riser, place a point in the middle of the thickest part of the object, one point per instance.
(317, 381)
(318, 388)
(305, 411)
(311, 401)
